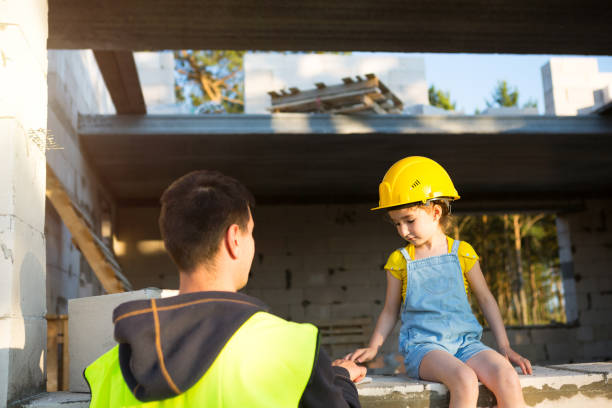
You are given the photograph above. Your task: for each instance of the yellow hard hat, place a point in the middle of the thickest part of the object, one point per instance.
(415, 179)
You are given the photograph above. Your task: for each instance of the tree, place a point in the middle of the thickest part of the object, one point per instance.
(519, 259)
(502, 95)
(210, 81)
(440, 99)
(531, 103)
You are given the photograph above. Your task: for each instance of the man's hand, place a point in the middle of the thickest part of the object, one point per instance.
(362, 355)
(355, 372)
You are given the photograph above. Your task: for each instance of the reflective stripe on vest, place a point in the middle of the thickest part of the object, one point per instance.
(266, 363)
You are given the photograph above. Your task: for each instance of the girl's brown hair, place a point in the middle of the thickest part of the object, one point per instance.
(446, 219)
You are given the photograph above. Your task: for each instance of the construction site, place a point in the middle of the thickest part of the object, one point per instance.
(85, 160)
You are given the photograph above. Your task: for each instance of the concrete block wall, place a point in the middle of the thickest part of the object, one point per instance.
(585, 239)
(321, 262)
(312, 262)
(591, 238)
(324, 262)
(75, 87)
(140, 250)
(23, 114)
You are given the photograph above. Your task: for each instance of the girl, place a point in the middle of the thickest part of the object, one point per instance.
(439, 335)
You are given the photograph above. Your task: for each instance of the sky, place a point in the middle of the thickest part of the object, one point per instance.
(470, 78)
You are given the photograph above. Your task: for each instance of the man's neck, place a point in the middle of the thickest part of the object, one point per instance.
(204, 279)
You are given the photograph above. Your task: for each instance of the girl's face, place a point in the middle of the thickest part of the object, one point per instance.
(417, 224)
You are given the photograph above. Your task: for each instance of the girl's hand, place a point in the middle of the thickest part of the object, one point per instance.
(362, 355)
(518, 360)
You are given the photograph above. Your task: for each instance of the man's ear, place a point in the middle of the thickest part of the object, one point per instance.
(232, 240)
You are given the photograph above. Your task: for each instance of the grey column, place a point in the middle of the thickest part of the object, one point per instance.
(566, 261)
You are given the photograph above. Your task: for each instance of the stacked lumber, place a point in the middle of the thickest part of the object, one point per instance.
(359, 95)
(342, 336)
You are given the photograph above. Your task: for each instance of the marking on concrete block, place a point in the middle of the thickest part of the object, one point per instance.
(7, 253)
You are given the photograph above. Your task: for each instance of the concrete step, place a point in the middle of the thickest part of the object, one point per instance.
(561, 386)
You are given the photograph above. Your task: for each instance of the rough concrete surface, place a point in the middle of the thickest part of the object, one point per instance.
(570, 385)
(55, 400)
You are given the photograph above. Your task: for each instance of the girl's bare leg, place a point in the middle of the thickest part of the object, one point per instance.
(498, 375)
(461, 380)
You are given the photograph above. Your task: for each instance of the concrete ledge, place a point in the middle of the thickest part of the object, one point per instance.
(570, 385)
(55, 400)
(562, 386)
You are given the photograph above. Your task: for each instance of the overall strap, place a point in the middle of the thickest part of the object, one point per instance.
(406, 255)
(455, 247)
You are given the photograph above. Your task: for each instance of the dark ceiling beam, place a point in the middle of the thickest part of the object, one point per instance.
(119, 71)
(604, 110)
(323, 124)
(476, 26)
(301, 158)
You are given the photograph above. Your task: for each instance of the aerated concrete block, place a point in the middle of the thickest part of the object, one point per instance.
(90, 329)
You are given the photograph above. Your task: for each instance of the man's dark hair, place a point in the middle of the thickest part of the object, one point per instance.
(196, 211)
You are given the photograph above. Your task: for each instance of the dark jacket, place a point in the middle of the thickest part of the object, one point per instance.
(194, 329)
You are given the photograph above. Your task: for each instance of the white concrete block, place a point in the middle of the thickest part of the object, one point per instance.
(276, 297)
(385, 385)
(22, 79)
(58, 400)
(90, 329)
(23, 175)
(22, 262)
(31, 18)
(551, 335)
(27, 357)
(560, 352)
(585, 333)
(355, 309)
(595, 368)
(314, 312)
(327, 294)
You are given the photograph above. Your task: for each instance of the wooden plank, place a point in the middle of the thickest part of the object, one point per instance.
(307, 104)
(372, 104)
(343, 330)
(328, 91)
(52, 356)
(119, 71)
(96, 254)
(357, 321)
(345, 339)
(65, 357)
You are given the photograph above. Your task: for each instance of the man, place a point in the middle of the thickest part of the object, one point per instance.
(211, 346)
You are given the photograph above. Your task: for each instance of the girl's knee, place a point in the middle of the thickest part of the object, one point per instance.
(506, 378)
(464, 381)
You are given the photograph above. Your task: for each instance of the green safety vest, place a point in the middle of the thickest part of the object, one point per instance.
(266, 363)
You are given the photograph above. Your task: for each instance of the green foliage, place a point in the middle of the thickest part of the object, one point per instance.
(440, 99)
(531, 103)
(210, 81)
(503, 95)
(494, 239)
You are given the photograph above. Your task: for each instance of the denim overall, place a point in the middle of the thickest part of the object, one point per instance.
(436, 314)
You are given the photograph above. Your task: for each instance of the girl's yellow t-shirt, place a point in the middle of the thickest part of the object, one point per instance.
(396, 264)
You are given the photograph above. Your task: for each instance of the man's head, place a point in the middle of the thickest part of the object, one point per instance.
(197, 211)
